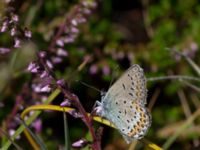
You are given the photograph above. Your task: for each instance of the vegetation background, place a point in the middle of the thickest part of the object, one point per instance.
(102, 36)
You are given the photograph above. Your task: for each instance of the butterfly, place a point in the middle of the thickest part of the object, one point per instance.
(124, 104)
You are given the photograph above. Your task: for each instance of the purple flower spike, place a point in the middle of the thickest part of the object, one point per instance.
(4, 50)
(80, 143)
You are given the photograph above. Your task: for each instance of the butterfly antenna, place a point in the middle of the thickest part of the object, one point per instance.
(92, 87)
(113, 75)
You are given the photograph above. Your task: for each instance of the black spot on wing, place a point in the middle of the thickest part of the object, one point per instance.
(125, 112)
(130, 94)
(123, 86)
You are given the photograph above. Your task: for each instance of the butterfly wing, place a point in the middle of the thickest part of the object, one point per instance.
(132, 85)
(124, 104)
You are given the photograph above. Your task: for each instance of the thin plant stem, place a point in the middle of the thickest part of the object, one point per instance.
(30, 120)
(8, 137)
(174, 77)
(188, 59)
(181, 129)
(66, 130)
(96, 118)
(35, 137)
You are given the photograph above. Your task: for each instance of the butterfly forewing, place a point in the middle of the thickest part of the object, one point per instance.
(132, 85)
(124, 104)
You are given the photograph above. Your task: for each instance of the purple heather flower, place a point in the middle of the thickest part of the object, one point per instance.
(75, 113)
(74, 30)
(27, 33)
(74, 22)
(42, 54)
(61, 82)
(69, 39)
(80, 143)
(44, 74)
(81, 19)
(66, 102)
(33, 67)
(15, 18)
(61, 52)
(86, 11)
(56, 60)
(194, 46)
(93, 69)
(17, 43)
(3, 28)
(40, 89)
(38, 125)
(11, 132)
(106, 70)
(4, 50)
(49, 64)
(60, 42)
(13, 31)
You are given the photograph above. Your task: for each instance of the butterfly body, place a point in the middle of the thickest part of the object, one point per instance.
(124, 104)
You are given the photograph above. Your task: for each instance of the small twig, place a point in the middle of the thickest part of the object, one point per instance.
(174, 77)
(153, 99)
(96, 118)
(187, 111)
(11, 141)
(38, 140)
(184, 103)
(188, 59)
(181, 129)
(195, 100)
(146, 19)
(194, 87)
